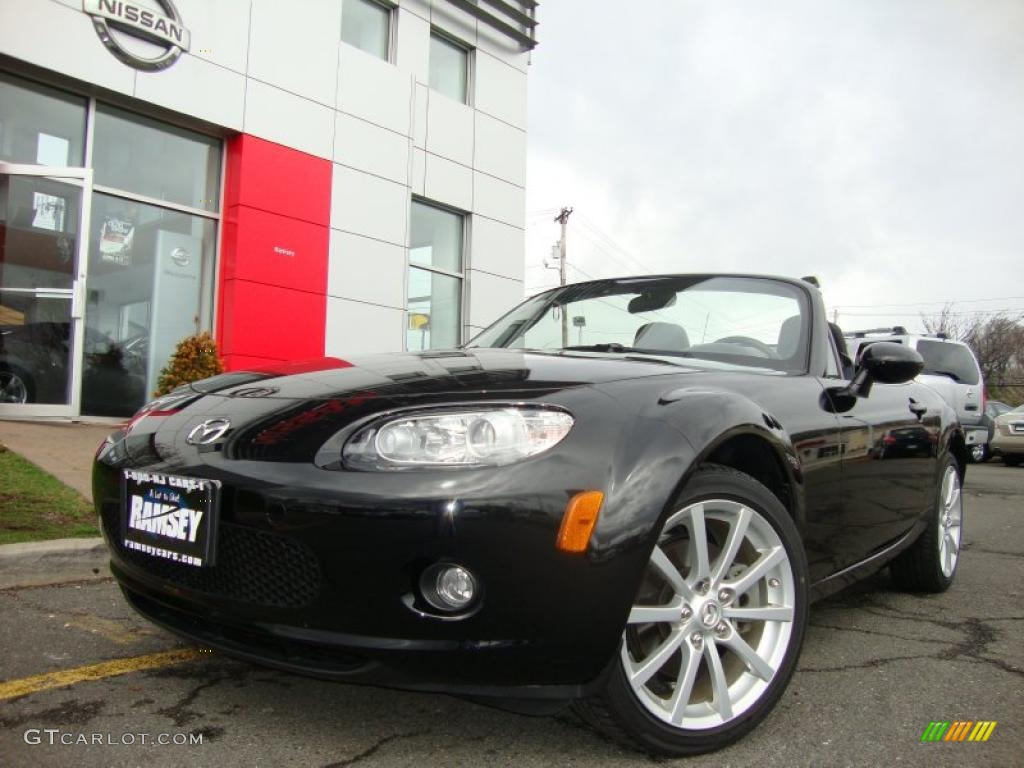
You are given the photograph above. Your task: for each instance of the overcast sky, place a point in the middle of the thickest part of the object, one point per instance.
(878, 144)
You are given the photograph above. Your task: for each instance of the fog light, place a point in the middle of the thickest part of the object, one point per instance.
(448, 587)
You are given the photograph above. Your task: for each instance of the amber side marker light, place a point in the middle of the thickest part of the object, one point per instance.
(579, 520)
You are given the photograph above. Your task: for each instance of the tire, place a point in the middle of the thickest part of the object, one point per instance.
(1012, 459)
(15, 386)
(930, 564)
(726, 696)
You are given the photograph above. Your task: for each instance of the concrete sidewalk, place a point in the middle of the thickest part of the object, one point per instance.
(62, 449)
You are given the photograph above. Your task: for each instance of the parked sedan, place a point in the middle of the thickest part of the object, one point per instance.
(993, 409)
(630, 514)
(1008, 440)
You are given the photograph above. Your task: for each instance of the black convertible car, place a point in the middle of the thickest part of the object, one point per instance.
(622, 495)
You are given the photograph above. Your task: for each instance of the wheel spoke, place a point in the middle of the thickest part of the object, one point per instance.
(719, 685)
(646, 669)
(699, 567)
(763, 613)
(732, 544)
(758, 569)
(656, 614)
(671, 574)
(749, 656)
(954, 502)
(684, 685)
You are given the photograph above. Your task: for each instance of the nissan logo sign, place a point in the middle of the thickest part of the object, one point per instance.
(208, 432)
(116, 20)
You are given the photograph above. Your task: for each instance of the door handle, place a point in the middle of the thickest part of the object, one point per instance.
(917, 408)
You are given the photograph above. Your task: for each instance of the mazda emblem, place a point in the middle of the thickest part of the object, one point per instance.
(208, 432)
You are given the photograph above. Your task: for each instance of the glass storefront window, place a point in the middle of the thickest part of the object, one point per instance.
(40, 125)
(436, 239)
(35, 348)
(449, 67)
(149, 270)
(434, 310)
(366, 25)
(159, 161)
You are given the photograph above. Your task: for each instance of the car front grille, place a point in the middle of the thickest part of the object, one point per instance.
(251, 567)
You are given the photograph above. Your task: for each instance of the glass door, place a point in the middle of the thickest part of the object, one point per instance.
(43, 213)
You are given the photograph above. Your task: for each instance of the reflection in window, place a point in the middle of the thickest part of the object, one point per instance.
(150, 270)
(449, 67)
(435, 278)
(366, 25)
(149, 158)
(38, 232)
(40, 125)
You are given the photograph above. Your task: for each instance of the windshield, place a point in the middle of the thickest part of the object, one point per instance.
(746, 321)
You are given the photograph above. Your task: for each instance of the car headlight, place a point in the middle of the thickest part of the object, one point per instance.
(485, 437)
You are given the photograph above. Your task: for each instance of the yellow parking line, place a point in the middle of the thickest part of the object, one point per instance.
(26, 685)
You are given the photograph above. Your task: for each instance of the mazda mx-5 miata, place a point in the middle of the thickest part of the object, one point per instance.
(622, 495)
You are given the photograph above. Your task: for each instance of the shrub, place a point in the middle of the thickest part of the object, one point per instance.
(194, 358)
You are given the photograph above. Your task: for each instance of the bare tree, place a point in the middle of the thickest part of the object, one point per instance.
(997, 340)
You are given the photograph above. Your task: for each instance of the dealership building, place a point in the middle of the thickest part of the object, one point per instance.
(319, 177)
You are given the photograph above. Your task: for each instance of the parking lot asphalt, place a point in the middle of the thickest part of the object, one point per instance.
(877, 667)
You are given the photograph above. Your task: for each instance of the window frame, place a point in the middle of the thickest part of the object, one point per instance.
(392, 36)
(469, 50)
(460, 276)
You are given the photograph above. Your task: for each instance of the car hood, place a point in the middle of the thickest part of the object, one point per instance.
(432, 373)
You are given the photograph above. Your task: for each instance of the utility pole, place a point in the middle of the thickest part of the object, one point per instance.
(563, 219)
(835, 316)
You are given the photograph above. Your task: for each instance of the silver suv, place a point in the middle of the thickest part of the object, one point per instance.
(950, 368)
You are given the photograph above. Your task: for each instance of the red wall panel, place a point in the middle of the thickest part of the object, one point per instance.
(277, 250)
(274, 251)
(268, 321)
(261, 174)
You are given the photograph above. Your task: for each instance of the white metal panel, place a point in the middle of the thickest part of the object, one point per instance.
(368, 205)
(374, 90)
(417, 180)
(60, 38)
(370, 148)
(366, 270)
(419, 117)
(497, 248)
(413, 45)
(490, 297)
(500, 90)
(449, 183)
(294, 50)
(354, 328)
(455, 21)
(498, 199)
(219, 30)
(500, 150)
(449, 128)
(290, 120)
(196, 88)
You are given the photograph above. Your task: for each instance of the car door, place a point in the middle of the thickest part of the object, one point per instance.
(889, 446)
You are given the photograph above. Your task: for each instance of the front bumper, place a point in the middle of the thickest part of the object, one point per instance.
(315, 569)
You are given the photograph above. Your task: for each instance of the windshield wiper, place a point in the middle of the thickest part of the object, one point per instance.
(951, 375)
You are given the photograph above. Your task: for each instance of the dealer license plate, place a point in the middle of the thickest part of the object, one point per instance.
(170, 517)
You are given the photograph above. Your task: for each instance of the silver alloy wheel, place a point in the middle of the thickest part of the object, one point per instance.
(951, 511)
(12, 388)
(713, 618)
(978, 452)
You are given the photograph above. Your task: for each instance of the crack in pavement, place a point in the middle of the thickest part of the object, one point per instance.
(371, 750)
(979, 635)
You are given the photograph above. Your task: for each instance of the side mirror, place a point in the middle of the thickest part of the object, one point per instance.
(883, 361)
(891, 363)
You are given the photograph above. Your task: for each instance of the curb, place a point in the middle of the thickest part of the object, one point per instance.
(40, 563)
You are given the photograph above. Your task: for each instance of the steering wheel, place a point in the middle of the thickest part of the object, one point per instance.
(746, 341)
